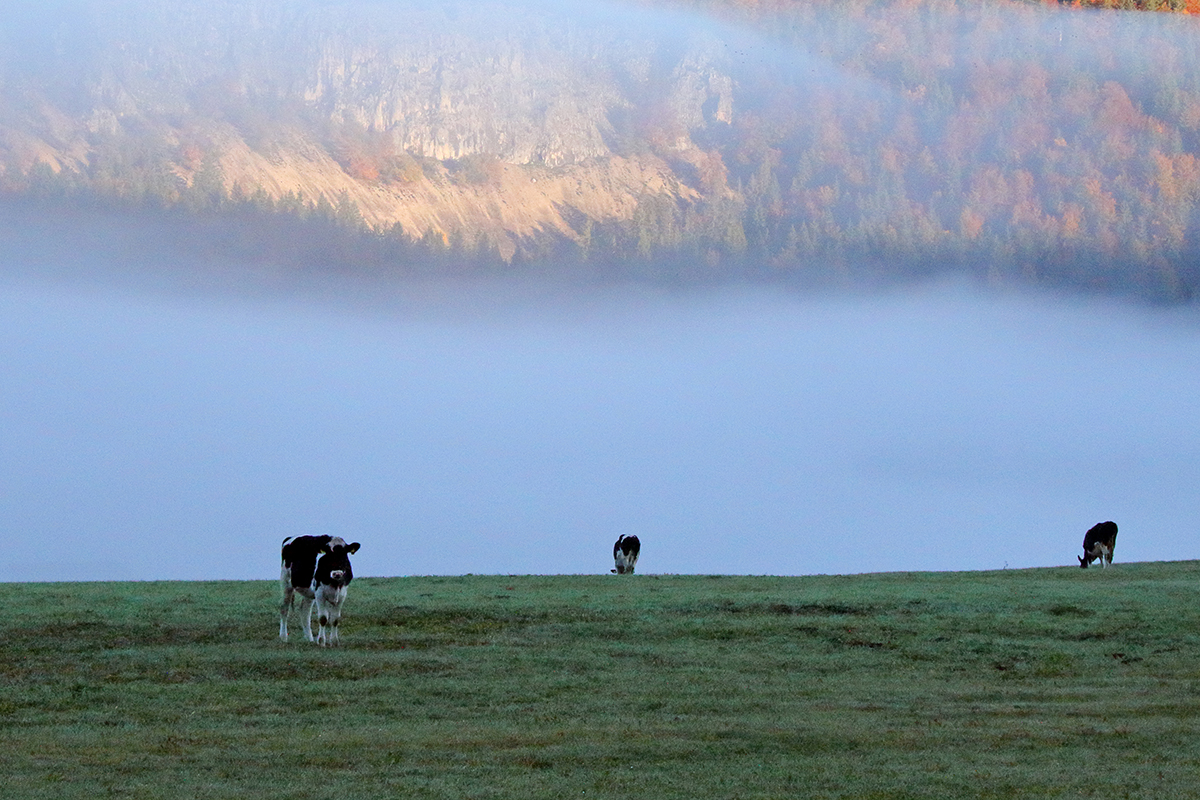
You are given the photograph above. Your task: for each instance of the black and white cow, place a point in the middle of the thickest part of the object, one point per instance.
(329, 584)
(1099, 543)
(625, 553)
(299, 557)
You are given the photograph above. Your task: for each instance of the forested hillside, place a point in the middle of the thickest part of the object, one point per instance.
(811, 141)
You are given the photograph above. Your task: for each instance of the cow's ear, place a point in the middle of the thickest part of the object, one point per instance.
(353, 547)
(325, 540)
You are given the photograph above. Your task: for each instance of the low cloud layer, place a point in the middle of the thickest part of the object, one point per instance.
(161, 437)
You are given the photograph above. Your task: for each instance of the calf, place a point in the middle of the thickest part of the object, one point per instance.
(329, 584)
(625, 553)
(1098, 543)
(299, 558)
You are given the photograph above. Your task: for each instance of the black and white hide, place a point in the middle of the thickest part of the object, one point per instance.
(1099, 543)
(329, 585)
(625, 553)
(299, 557)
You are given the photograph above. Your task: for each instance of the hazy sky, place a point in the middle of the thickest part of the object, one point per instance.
(152, 436)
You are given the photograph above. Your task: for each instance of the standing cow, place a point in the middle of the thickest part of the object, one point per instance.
(625, 553)
(332, 577)
(1098, 543)
(299, 564)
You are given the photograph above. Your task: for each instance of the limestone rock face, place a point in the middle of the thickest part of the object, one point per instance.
(525, 82)
(529, 85)
(273, 88)
(447, 94)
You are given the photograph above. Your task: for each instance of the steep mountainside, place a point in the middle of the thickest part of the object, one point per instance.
(816, 139)
(493, 119)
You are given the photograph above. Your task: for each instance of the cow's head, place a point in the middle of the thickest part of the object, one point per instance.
(338, 545)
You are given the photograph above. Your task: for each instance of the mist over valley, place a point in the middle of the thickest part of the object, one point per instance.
(501, 427)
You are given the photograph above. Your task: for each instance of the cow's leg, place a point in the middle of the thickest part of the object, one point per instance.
(323, 619)
(323, 606)
(335, 622)
(306, 604)
(284, 609)
(329, 614)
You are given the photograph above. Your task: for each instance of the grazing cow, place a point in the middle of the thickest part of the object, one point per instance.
(299, 558)
(1098, 544)
(625, 553)
(329, 584)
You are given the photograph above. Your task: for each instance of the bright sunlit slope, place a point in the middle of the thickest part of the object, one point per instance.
(1026, 683)
(819, 141)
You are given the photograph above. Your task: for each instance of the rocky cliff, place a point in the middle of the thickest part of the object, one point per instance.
(811, 139)
(497, 120)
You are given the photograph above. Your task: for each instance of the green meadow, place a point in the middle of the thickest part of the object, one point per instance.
(1021, 683)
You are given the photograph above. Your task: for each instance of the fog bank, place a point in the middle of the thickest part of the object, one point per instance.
(750, 431)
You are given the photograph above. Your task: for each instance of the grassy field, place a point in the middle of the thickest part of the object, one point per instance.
(1023, 683)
